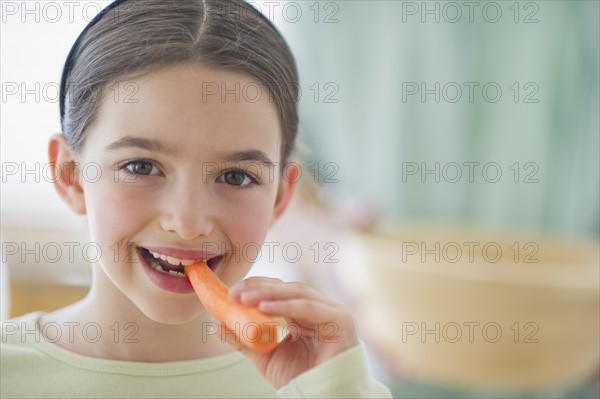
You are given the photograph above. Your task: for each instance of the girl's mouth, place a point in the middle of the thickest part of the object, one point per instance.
(167, 271)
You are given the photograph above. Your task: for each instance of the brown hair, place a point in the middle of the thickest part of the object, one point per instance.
(140, 36)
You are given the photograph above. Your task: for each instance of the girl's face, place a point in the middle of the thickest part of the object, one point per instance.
(189, 162)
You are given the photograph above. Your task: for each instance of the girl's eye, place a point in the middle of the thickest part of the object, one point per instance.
(142, 168)
(237, 178)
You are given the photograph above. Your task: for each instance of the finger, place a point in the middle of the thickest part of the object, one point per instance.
(326, 323)
(305, 311)
(251, 282)
(282, 291)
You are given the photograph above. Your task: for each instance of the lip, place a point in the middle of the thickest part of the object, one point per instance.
(184, 253)
(165, 281)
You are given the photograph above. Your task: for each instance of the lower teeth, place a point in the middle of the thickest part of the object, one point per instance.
(156, 266)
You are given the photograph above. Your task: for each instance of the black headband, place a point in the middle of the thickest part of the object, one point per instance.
(68, 64)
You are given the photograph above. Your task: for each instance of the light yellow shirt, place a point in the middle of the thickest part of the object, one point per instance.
(31, 366)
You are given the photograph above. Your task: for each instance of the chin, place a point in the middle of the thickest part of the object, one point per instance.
(171, 314)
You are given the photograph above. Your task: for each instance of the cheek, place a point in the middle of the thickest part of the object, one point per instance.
(112, 210)
(248, 222)
(246, 227)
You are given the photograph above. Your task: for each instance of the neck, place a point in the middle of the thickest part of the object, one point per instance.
(109, 326)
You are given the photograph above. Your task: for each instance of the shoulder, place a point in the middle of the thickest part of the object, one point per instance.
(20, 332)
(19, 355)
(20, 339)
(345, 375)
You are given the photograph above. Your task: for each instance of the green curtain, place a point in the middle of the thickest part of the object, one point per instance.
(361, 61)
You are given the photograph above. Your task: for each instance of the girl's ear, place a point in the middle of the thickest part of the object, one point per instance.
(289, 179)
(65, 173)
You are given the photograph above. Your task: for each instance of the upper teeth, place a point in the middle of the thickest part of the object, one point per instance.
(173, 260)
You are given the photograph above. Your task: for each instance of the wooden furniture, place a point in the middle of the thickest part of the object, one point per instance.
(43, 269)
(527, 319)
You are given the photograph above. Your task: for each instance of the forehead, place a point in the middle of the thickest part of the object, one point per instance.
(192, 108)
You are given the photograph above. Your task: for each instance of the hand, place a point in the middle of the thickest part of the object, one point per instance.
(318, 328)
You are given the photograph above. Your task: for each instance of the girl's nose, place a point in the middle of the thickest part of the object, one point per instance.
(187, 211)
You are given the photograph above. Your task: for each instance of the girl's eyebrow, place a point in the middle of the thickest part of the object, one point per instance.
(157, 146)
(139, 142)
(248, 155)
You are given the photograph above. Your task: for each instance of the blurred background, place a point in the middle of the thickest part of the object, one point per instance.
(451, 164)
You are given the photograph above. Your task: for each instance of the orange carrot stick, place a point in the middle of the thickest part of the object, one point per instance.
(253, 329)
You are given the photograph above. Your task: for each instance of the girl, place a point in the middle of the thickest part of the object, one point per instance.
(193, 168)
